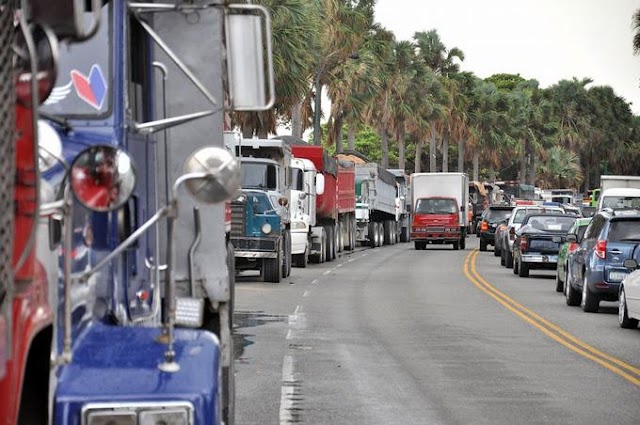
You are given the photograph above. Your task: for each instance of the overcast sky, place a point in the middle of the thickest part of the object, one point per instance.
(548, 40)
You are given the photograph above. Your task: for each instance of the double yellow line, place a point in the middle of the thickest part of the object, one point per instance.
(627, 371)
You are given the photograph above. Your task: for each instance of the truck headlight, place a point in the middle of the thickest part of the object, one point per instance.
(298, 225)
(266, 228)
(168, 416)
(112, 418)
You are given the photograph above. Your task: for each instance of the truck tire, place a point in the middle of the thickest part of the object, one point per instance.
(340, 244)
(404, 235)
(272, 267)
(463, 242)
(380, 228)
(336, 239)
(352, 233)
(301, 260)
(286, 261)
(373, 234)
(483, 245)
(456, 245)
(386, 229)
(331, 243)
(508, 259)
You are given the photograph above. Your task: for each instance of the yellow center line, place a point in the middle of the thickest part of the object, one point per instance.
(553, 331)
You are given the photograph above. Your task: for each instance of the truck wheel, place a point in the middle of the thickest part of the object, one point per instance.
(456, 245)
(323, 247)
(373, 232)
(496, 250)
(336, 240)
(380, 233)
(463, 242)
(286, 263)
(352, 233)
(331, 243)
(394, 233)
(231, 266)
(386, 232)
(404, 234)
(301, 260)
(272, 267)
(340, 244)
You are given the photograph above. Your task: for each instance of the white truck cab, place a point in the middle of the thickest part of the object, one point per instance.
(619, 198)
(305, 185)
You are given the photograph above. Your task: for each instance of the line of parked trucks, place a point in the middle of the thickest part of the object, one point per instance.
(301, 205)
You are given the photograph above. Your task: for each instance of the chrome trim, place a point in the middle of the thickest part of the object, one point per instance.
(136, 406)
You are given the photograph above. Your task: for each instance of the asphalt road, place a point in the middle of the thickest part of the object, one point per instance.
(397, 336)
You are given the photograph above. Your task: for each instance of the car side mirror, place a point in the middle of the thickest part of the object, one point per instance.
(572, 238)
(630, 263)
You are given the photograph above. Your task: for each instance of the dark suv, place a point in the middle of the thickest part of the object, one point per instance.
(490, 219)
(597, 267)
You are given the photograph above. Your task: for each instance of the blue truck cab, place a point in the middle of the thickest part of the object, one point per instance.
(144, 315)
(261, 236)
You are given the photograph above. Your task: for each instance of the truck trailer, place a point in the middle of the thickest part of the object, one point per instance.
(376, 201)
(440, 209)
(335, 223)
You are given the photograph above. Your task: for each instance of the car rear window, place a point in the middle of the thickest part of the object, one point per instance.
(624, 230)
(521, 214)
(551, 223)
(493, 216)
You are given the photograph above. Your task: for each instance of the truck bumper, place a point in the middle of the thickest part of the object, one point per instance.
(299, 242)
(439, 237)
(255, 247)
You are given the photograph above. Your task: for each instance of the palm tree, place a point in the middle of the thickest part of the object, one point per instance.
(344, 28)
(441, 61)
(560, 169)
(636, 28)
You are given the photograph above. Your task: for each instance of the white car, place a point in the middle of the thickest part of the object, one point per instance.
(629, 296)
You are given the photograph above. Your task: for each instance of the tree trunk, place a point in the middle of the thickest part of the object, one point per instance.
(418, 165)
(317, 112)
(339, 139)
(401, 154)
(296, 119)
(351, 137)
(492, 174)
(384, 145)
(445, 152)
(522, 172)
(433, 166)
(476, 165)
(532, 170)
(461, 147)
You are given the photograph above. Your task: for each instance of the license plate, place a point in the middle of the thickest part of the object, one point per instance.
(550, 258)
(617, 276)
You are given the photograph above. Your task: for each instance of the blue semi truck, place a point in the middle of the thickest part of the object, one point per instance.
(144, 317)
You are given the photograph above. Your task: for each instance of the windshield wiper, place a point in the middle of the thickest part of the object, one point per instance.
(62, 122)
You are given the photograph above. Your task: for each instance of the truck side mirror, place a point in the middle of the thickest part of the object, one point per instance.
(223, 178)
(66, 17)
(249, 88)
(319, 184)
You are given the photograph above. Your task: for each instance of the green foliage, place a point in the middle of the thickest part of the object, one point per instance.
(505, 82)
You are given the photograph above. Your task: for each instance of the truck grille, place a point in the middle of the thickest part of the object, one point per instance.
(237, 218)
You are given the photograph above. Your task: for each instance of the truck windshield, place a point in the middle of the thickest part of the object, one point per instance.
(82, 88)
(436, 206)
(259, 201)
(259, 176)
(617, 202)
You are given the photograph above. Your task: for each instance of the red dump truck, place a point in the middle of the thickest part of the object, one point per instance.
(335, 207)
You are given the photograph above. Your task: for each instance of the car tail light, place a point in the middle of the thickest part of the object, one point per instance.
(512, 233)
(524, 243)
(601, 249)
(484, 226)
(572, 247)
